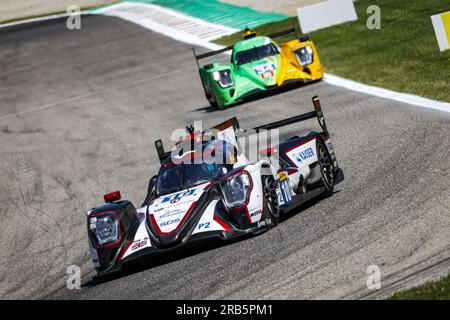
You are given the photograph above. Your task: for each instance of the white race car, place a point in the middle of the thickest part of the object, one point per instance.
(207, 188)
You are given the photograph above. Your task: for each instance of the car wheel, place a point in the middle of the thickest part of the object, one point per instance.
(326, 167)
(212, 99)
(212, 104)
(271, 198)
(220, 105)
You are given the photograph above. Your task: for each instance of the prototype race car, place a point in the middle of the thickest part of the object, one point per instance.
(207, 188)
(258, 64)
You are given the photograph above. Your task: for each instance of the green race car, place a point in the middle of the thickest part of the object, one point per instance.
(258, 64)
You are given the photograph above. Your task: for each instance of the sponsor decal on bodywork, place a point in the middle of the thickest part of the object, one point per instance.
(141, 241)
(169, 211)
(264, 222)
(256, 213)
(178, 196)
(303, 154)
(266, 70)
(139, 244)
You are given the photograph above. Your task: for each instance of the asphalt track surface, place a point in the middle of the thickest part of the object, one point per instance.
(79, 112)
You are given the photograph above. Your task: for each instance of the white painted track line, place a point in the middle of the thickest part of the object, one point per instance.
(388, 94)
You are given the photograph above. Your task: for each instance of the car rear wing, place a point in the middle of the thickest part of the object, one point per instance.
(162, 155)
(228, 48)
(229, 128)
(317, 113)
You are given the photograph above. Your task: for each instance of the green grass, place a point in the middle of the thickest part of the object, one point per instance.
(434, 290)
(402, 56)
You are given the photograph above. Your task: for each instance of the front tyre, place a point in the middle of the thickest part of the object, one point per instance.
(271, 199)
(211, 98)
(326, 167)
(212, 103)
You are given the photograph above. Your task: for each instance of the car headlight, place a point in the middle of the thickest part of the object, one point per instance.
(105, 228)
(236, 189)
(305, 55)
(223, 78)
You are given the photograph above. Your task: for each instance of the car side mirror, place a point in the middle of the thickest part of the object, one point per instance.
(151, 193)
(152, 185)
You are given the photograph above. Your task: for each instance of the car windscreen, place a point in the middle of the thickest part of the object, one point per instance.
(173, 177)
(256, 53)
(170, 179)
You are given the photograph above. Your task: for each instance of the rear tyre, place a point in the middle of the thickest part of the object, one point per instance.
(326, 167)
(271, 199)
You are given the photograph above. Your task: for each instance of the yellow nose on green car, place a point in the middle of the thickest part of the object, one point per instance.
(258, 64)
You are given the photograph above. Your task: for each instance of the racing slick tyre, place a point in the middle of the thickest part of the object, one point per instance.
(212, 104)
(326, 167)
(271, 199)
(215, 103)
(212, 99)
